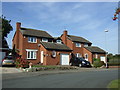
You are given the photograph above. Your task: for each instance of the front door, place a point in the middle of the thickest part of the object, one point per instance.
(42, 56)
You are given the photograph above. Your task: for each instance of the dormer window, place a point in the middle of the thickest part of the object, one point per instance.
(32, 39)
(78, 44)
(58, 41)
(85, 45)
(44, 40)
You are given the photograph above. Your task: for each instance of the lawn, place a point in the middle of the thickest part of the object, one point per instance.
(114, 84)
(44, 66)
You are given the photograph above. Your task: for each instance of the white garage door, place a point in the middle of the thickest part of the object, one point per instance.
(64, 59)
(102, 58)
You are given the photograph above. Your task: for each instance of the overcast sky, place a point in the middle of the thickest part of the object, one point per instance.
(85, 19)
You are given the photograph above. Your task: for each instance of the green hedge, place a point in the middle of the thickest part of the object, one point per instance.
(98, 64)
(114, 63)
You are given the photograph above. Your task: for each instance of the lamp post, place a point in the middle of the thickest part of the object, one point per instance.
(106, 47)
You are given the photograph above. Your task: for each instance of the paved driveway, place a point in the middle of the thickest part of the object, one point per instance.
(9, 70)
(84, 79)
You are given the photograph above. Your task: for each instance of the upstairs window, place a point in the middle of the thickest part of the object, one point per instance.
(78, 44)
(85, 45)
(58, 41)
(32, 39)
(44, 40)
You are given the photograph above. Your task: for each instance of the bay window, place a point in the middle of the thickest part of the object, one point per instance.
(31, 54)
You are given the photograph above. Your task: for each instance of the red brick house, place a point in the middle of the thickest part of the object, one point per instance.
(82, 47)
(38, 46)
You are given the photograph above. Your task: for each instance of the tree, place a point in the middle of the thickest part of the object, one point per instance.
(5, 27)
(117, 11)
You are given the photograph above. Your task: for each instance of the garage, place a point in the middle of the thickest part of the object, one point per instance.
(102, 58)
(64, 59)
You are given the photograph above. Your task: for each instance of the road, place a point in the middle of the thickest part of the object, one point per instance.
(87, 79)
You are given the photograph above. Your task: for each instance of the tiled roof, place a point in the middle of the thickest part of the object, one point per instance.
(57, 38)
(55, 46)
(95, 49)
(78, 39)
(34, 32)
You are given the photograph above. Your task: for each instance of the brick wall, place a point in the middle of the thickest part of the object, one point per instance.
(85, 51)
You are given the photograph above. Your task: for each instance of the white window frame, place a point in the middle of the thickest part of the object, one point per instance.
(78, 44)
(34, 39)
(85, 45)
(44, 40)
(85, 56)
(96, 55)
(30, 51)
(59, 41)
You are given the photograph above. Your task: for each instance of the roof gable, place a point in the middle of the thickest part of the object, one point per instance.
(78, 39)
(34, 32)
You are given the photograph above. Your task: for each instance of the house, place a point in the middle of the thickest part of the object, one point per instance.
(83, 48)
(38, 46)
(4, 49)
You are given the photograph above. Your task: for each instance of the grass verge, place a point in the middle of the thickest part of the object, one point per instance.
(115, 84)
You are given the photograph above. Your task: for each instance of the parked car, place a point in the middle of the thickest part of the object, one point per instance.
(8, 61)
(81, 62)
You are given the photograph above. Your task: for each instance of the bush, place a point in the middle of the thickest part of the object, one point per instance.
(95, 59)
(21, 63)
(98, 64)
(114, 62)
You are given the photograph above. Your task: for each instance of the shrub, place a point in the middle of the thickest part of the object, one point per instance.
(114, 62)
(21, 63)
(95, 59)
(98, 63)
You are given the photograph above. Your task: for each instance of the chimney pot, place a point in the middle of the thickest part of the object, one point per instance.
(18, 25)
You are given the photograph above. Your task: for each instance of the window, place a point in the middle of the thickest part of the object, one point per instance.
(58, 41)
(78, 45)
(86, 56)
(32, 39)
(85, 45)
(31, 54)
(44, 40)
(78, 55)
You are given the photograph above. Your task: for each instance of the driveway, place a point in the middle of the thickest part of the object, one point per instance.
(9, 70)
(96, 78)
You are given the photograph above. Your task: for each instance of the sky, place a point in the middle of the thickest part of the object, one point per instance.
(84, 19)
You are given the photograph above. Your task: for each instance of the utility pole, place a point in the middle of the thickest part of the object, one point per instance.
(106, 47)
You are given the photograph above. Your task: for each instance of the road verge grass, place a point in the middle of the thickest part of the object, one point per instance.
(114, 85)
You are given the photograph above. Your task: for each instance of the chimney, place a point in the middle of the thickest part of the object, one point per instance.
(18, 25)
(65, 37)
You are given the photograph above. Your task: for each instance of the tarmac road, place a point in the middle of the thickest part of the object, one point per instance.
(87, 79)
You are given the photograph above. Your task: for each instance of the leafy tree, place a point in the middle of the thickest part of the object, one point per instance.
(5, 27)
(117, 11)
